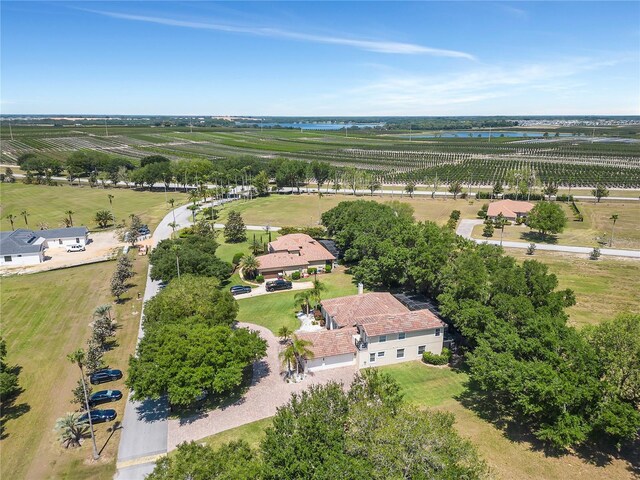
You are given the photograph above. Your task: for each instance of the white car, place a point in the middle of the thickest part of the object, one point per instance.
(75, 248)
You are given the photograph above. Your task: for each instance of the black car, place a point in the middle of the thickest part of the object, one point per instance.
(238, 289)
(99, 416)
(104, 396)
(106, 375)
(279, 285)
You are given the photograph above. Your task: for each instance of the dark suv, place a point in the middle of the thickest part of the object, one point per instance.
(279, 285)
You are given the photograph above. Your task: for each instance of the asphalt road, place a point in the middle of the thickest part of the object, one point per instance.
(466, 227)
(145, 423)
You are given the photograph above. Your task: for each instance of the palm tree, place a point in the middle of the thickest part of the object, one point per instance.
(194, 196)
(70, 430)
(172, 202)
(613, 217)
(285, 333)
(173, 226)
(300, 350)
(111, 197)
(25, 214)
(69, 213)
(288, 357)
(103, 311)
(303, 297)
(78, 357)
(250, 265)
(194, 209)
(11, 217)
(316, 291)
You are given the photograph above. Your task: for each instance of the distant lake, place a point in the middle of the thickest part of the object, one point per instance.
(485, 134)
(312, 126)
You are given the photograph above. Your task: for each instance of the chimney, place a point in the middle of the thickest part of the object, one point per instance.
(360, 289)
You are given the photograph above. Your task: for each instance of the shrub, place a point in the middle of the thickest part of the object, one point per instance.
(455, 215)
(531, 249)
(259, 278)
(312, 270)
(463, 195)
(328, 268)
(433, 359)
(295, 276)
(519, 221)
(595, 254)
(236, 258)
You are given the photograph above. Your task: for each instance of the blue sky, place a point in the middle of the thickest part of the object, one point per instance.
(321, 58)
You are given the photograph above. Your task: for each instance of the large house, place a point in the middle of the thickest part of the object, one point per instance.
(372, 329)
(26, 247)
(510, 209)
(296, 252)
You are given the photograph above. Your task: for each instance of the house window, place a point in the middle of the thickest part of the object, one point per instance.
(77, 240)
(421, 349)
(401, 336)
(400, 353)
(59, 241)
(380, 354)
(372, 358)
(383, 338)
(8, 258)
(437, 332)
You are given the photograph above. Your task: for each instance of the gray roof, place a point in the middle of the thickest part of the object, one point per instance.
(19, 242)
(63, 232)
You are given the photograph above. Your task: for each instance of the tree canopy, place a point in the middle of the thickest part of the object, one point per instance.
(327, 433)
(547, 217)
(196, 255)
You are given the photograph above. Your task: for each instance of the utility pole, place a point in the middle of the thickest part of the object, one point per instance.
(106, 129)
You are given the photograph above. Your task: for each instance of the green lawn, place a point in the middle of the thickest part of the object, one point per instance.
(48, 204)
(596, 224)
(45, 317)
(305, 209)
(275, 310)
(226, 251)
(603, 288)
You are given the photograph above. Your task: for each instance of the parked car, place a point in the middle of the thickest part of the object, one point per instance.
(99, 416)
(238, 289)
(104, 396)
(105, 375)
(76, 247)
(279, 285)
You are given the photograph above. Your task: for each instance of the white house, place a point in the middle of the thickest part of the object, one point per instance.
(26, 247)
(372, 329)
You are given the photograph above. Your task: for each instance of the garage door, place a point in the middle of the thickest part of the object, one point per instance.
(337, 361)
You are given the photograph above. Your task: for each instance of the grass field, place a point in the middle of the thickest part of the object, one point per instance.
(603, 288)
(305, 209)
(278, 309)
(226, 251)
(45, 317)
(596, 223)
(49, 204)
(509, 454)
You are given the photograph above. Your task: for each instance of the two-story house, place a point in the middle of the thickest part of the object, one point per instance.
(372, 329)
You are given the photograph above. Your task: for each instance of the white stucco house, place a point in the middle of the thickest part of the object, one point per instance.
(372, 329)
(26, 247)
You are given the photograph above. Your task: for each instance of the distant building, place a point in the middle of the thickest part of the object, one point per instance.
(26, 247)
(296, 252)
(372, 329)
(510, 209)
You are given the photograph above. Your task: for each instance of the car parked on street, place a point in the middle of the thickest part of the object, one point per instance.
(239, 289)
(105, 375)
(279, 284)
(76, 247)
(104, 396)
(99, 416)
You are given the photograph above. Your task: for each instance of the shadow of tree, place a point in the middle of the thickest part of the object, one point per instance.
(538, 237)
(151, 410)
(597, 452)
(9, 409)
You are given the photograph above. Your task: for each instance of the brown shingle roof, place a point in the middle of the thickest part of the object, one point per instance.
(508, 208)
(347, 311)
(403, 322)
(308, 248)
(327, 343)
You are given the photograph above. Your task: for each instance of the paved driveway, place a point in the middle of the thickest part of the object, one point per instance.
(262, 290)
(268, 391)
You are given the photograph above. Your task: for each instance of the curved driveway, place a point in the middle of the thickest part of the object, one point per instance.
(268, 391)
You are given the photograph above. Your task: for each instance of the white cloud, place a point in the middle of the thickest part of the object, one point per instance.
(379, 46)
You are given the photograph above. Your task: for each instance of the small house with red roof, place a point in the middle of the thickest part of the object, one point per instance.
(510, 209)
(296, 252)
